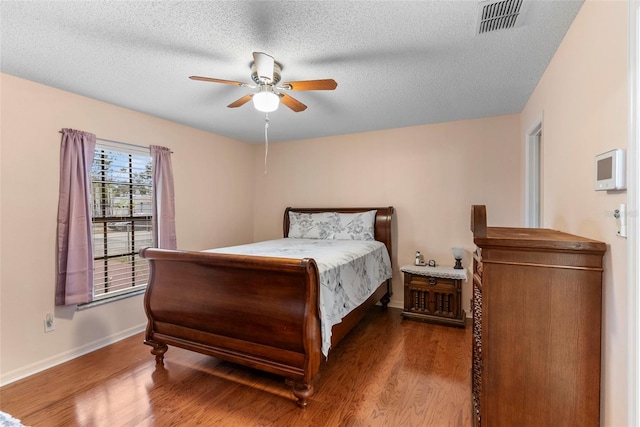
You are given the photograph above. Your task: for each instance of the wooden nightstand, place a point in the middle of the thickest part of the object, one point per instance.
(434, 294)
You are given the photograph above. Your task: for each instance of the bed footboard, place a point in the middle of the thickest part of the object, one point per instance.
(260, 312)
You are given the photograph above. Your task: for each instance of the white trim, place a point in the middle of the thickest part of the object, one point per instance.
(113, 298)
(533, 175)
(633, 216)
(120, 146)
(395, 304)
(57, 359)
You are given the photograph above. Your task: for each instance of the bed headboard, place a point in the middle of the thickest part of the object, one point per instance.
(382, 226)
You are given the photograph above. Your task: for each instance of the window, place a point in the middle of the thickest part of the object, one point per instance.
(121, 212)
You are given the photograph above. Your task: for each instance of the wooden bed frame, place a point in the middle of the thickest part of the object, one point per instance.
(260, 312)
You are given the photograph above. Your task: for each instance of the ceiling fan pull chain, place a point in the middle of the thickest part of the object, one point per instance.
(266, 140)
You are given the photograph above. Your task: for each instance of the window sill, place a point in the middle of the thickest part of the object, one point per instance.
(103, 301)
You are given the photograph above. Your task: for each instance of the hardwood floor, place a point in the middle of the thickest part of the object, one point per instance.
(386, 372)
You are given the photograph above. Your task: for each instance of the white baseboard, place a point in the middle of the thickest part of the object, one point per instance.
(34, 368)
(396, 304)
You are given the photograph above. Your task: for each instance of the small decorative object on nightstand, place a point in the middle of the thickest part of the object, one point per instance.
(434, 294)
(457, 254)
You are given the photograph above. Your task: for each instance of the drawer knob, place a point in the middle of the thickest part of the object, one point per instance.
(433, 280)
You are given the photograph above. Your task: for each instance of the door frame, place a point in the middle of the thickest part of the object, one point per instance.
(633, 215)
(533, 175)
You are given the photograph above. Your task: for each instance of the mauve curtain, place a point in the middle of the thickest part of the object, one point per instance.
(75, 251)
(164, 212)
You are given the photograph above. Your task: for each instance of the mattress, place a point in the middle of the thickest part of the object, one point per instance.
(349, 271)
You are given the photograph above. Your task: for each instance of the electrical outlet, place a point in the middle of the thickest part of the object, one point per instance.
(49, 322)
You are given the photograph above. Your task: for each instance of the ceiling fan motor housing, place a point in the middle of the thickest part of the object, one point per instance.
(277, 69)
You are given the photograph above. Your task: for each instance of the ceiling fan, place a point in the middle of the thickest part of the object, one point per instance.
(265, 73)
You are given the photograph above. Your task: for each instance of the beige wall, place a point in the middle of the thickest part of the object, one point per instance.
(209, 213)
(430, 174)
(582, 98)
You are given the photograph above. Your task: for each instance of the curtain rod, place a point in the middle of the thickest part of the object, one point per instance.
(119, 142)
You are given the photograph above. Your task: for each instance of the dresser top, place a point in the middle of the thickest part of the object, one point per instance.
(541, 238)
(531, 238)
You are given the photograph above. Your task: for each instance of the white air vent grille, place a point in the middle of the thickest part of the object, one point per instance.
(498, 15)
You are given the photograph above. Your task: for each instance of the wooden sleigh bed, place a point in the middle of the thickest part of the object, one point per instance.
(261, 312)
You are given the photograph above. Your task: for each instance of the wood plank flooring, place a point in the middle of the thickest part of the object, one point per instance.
(386, 372)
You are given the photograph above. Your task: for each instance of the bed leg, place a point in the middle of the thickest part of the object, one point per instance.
(302, 391)
(385, 300)
(387, 297)
(158, 350)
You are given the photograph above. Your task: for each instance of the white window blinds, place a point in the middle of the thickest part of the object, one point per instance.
(121, 214)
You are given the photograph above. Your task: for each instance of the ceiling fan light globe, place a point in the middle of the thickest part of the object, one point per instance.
(266, 101)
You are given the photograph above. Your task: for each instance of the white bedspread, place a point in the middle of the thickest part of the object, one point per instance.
(350, 271)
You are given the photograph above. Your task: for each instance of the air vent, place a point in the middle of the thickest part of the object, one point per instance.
(498, 15)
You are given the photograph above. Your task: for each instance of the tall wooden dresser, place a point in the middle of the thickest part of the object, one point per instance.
(537, 297)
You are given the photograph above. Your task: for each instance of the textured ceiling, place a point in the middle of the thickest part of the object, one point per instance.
(397, 63)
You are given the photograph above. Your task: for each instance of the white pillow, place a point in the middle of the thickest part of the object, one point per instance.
(356, 226)
(312, 225)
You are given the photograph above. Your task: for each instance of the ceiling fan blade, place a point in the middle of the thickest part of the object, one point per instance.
(210, 79)
(292, 103)
(264, 65)
(240, 102)
(326, 84)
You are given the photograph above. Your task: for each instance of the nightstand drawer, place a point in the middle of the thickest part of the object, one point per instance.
(426, 281)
